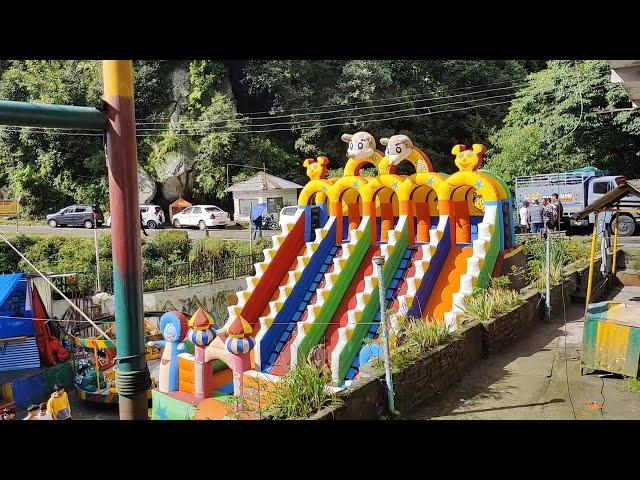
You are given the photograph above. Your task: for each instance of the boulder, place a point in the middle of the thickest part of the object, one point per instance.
(146, 186)
(176, 174)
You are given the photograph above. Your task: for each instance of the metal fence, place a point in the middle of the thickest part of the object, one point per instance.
(163, 277)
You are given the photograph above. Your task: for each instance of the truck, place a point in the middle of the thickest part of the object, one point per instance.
(576, 189)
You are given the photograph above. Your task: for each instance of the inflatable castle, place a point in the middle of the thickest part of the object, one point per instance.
(441, 237)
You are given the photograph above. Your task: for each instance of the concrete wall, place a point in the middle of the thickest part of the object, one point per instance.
(178, 297)
(289, 197)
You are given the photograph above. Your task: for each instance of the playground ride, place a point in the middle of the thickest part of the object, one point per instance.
(441, 237)
(93, 359)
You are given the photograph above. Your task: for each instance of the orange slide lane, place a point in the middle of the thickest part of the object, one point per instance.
(441, 299)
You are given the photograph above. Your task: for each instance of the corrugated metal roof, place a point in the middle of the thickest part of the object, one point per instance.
(614, 198)
(16, 355)
(262, 181)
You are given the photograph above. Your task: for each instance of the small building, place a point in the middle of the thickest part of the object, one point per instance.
(262, 188)
(176, 207)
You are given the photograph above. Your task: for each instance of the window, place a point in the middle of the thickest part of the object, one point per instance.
(144, 209)
(274, 205)
(245, 206)
(187, 211)
(196, 210)
(82, 209)
(289, 211)
(601, 187)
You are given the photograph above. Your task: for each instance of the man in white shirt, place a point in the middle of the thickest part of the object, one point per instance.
(524, 222)
(43, 414)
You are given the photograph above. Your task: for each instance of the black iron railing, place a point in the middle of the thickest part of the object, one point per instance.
(162, 277)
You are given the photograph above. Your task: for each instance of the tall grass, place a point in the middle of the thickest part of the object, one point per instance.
(300, 393)
(415, 336)
(487, 304)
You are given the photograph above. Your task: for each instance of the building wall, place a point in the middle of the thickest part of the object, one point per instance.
(289, 197)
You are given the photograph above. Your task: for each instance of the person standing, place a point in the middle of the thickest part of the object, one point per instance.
(257, 223)
(548, 213)
(160, 216)
(58, 405)
(32, 412)
(555, 199)
(535, 217)
(524, 221)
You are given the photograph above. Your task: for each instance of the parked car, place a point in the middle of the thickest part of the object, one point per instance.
(201, 216)
(286, 216)
(76, 215)
(149, 217)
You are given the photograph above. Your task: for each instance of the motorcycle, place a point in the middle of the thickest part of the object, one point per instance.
(269, 222)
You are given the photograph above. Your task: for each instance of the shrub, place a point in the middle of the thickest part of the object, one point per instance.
(207, 248)
(300, 393)
(169, 246)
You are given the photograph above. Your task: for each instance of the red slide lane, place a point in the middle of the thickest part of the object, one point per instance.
(276, 273)
(410, 272)
(349, 301)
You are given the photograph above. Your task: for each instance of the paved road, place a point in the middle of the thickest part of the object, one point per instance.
(193, 233)
(538, 378)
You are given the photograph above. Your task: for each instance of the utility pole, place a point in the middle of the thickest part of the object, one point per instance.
(132, 374)
(250, 228)
(95, 242)
(379, 263)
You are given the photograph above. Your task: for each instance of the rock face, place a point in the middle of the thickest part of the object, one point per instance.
(176, 174)
(146, 186)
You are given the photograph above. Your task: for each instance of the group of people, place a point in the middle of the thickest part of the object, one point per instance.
(57, 408)
(536, 216)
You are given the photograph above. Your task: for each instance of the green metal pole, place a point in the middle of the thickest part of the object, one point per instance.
(47, 115)
(132, 374)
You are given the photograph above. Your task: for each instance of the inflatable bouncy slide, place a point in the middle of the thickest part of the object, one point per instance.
(441, 236)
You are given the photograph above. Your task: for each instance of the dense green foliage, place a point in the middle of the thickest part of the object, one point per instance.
(278, 112)
(58, 254)
(545, 132)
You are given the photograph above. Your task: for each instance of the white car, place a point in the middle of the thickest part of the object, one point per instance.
(201, 216)
(149, 217)
(286, 216)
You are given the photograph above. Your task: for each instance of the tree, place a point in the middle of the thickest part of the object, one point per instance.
(548, 128)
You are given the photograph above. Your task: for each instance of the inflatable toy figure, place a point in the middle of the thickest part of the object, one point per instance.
(174, 327)
(201, 334)
(317, 167)
(399, 148)
(239, 344)
(361, 151)
(469, 160)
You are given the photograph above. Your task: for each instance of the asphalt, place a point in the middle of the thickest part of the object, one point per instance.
(539, 378)
(193, 233)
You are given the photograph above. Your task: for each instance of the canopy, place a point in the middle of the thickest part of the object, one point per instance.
(615, 198)
(257, 210)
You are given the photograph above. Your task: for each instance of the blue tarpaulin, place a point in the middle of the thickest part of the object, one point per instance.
(8, 283)
(257, 210)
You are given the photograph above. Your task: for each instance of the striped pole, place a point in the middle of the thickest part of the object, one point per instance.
(132, 374)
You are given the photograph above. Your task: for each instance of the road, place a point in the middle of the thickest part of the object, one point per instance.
(193, 233)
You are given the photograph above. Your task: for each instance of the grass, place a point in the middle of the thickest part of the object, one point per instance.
(487, 304)
(634, 385)
(416, 336)
(300, 393)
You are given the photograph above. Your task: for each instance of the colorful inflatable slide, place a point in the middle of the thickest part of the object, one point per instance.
(441, 237)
